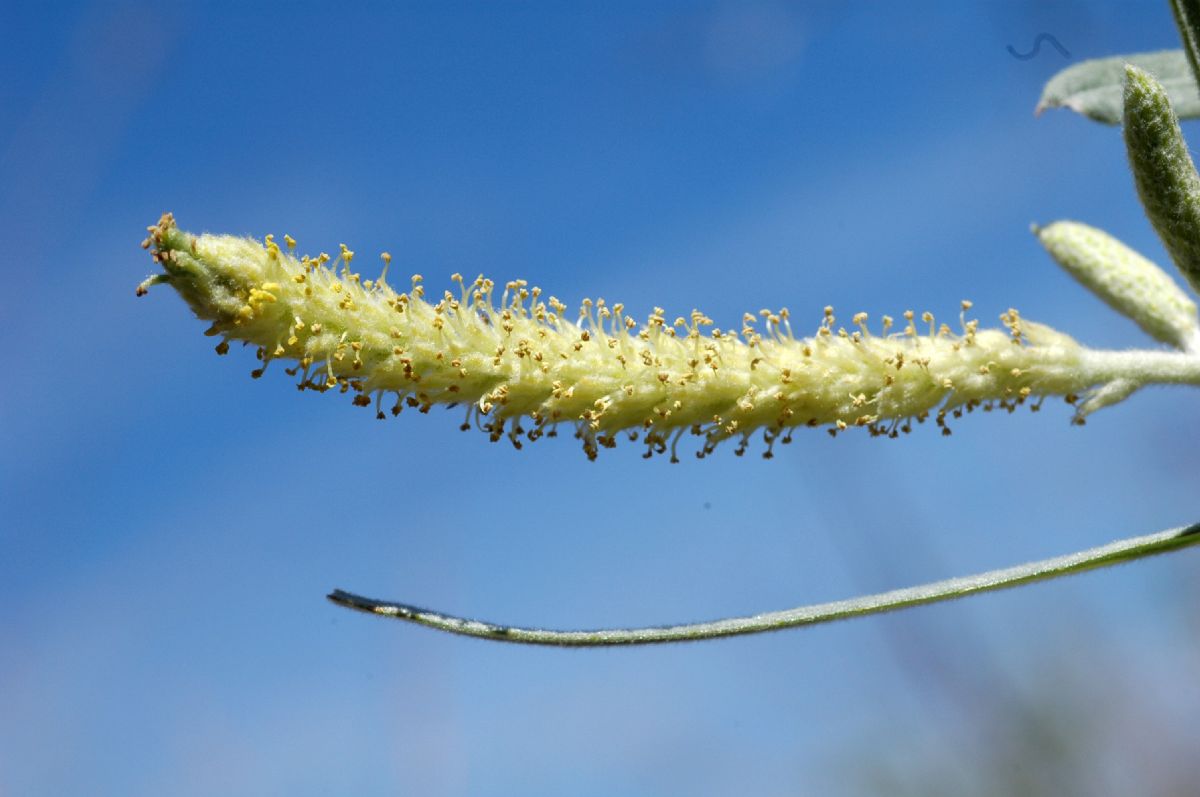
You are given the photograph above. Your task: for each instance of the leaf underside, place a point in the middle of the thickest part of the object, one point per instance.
(1095, 88)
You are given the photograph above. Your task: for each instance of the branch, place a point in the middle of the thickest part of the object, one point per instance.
(1111, 554)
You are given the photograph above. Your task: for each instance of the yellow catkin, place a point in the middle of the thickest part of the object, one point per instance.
(524, 367)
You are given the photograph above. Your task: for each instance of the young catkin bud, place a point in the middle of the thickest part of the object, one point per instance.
(1124, 280)
(523, 368)
(1163, 171)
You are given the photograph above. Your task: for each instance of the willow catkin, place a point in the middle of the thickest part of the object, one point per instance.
(523, 369)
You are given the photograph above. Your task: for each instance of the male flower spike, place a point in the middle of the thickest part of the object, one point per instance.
(523, 368)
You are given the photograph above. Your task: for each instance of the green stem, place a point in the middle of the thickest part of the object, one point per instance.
(1111, 554)
(1187, 19)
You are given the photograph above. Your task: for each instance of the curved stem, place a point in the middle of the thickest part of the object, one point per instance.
(1111, 554)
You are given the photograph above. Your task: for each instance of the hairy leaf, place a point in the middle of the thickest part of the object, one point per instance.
(1163, 171)
(1096, 88)
(1125, 280)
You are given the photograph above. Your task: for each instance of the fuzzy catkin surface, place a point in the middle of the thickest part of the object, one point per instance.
(523, 369)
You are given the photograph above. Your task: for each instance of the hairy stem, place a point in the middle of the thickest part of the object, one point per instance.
(1111, 554)
(1146, 367)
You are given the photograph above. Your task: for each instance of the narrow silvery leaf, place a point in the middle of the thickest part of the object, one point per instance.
(1124, 280)
(1163, 170)
(1114, 392)
(1096, 88)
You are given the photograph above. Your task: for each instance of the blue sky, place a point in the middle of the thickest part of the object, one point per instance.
(172, 526)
